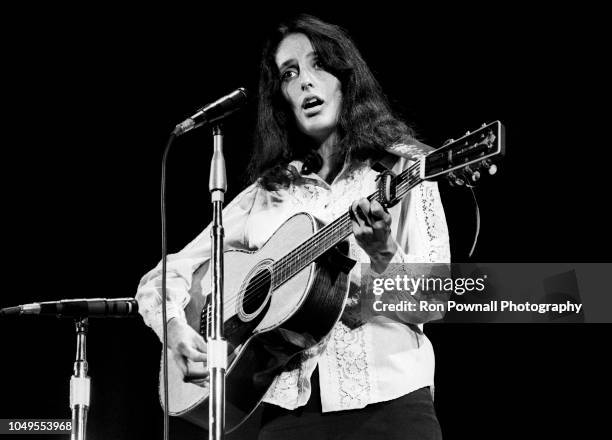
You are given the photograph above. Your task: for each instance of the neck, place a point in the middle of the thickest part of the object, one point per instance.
(333, 159)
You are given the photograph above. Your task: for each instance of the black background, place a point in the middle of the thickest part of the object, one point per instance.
(91, 95)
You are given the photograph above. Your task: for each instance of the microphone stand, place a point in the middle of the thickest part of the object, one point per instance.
(217, 345)
(80, 384)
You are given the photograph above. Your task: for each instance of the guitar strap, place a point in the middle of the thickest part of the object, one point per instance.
(411, 151)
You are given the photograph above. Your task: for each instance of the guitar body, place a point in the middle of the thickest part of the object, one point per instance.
(266, 329)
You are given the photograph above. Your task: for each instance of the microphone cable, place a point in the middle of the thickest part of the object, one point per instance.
(164, 294)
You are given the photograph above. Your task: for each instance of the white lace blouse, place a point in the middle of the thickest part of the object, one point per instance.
(365, 359)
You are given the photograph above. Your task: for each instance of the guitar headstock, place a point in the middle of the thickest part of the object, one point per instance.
(467, 155)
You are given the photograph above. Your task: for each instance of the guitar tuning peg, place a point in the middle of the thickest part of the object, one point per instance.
(471, 175)
(483, 125)
(455, 180)
(467, 132)
(448, 141)
(490, 167)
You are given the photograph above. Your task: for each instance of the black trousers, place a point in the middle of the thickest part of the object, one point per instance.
(408, 417)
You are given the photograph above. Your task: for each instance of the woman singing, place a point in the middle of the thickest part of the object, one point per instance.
(323, 125)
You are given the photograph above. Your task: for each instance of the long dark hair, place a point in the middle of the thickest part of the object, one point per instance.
(366, 124)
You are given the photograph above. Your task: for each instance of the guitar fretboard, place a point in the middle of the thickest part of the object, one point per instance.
(336, 231)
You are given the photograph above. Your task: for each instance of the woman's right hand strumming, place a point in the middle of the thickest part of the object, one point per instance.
(188, 351)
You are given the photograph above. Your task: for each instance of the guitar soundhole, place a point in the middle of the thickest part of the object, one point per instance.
(256, 291)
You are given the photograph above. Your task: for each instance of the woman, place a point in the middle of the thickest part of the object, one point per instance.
(323, 123)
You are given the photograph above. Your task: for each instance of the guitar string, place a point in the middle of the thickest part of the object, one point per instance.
(287, 264)
(327, 232)
(332, 230)
(315, 245)
(323, 233)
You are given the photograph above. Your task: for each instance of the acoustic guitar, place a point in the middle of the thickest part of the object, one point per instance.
(285, 297)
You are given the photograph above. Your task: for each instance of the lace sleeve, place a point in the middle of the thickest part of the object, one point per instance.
(430, 244)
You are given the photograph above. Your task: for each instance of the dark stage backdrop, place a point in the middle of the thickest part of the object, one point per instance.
(91, 95)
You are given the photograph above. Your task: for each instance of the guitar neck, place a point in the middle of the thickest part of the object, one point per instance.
(336, 231)
(463, 156)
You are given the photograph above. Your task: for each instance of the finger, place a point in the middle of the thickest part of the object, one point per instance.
(196, 371)
(193, 342)
(364, 206)
(363, 233)
(356, 214)
(377, 211)
(199, 381)
(200, 344)
(194, 355)
(363, 210)
(381, 226)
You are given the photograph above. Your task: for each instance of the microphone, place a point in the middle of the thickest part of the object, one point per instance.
(78, 308)
(213, 112)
